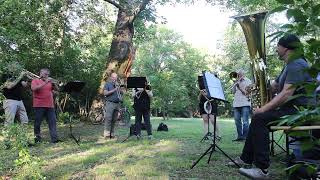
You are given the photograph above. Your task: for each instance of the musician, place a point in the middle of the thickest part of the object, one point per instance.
(241, 105)
(142, 98)
(202, 99)
(13, 104)
(256, 148)
(113, 94)
(43, 104)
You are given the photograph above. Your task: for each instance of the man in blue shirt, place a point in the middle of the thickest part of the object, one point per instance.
(256, 149)
(113, 97)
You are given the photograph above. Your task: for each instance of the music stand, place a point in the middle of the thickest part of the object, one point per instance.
(72, 87)
(136, 82)
(215, 92)
(207, 108)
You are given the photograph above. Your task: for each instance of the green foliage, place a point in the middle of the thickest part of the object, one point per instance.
(64, 117)
(172, 66)
(27, 166)
(304, 16)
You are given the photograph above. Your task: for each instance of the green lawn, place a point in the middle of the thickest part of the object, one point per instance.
(168, 156)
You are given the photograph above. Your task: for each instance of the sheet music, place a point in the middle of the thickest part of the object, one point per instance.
(213, 86)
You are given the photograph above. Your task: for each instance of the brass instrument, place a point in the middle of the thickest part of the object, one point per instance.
(31, 76)
(118, 86)
(253, 26)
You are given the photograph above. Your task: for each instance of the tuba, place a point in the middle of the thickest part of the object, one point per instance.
(253, 26)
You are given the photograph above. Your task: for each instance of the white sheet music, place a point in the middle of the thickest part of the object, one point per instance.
(213, 86)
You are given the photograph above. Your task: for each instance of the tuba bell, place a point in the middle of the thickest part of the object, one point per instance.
(253, 26)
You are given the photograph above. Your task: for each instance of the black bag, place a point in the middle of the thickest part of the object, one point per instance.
(162, 127)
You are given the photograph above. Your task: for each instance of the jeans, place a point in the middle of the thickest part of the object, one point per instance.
(146, 119)
(256, 149)
(51, 120)
(241, 119)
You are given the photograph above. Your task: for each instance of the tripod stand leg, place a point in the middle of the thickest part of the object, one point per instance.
(225, 154)
(205, 153)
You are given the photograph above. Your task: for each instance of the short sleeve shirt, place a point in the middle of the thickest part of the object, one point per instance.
(240, 100)
(42, 97)
(294, 73)
(111, 97)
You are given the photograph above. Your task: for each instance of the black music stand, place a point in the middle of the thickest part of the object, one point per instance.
(207, 108)
(72, 87)
(135, 82)
(214, 91)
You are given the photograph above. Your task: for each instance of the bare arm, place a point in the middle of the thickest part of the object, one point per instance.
(149, 92)
(108, 93)
(39, 86)
(12, 84)
(279, 99)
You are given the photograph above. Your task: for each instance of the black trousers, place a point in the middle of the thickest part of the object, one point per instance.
(51, 120)
(146, 119)
(256, 149)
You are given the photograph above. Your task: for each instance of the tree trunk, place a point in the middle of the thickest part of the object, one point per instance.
(119, 59)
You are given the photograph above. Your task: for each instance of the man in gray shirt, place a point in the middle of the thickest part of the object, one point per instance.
(256, 148)
(113, 97)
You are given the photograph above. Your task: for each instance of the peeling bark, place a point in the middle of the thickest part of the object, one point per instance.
(121, 52)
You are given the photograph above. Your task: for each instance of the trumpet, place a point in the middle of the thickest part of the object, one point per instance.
(31, 76)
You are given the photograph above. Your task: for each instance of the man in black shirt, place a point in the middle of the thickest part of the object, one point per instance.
(13, 105)
(141, 106)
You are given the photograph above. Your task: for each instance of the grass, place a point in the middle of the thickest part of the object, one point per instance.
(168, 156)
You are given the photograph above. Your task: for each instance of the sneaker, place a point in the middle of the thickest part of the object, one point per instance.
(254, 173)
(239, 161)
(150, 137)
(138, 137)
(56, 141)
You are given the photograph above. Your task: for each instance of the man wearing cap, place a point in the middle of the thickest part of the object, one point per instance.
(241, 105)
(256, 148)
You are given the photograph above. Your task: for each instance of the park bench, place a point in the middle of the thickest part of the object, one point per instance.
(287, 130)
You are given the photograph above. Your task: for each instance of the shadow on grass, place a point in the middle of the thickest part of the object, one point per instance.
(168, 156)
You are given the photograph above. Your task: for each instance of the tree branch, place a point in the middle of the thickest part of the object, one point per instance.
(140, 8)
(117, 5)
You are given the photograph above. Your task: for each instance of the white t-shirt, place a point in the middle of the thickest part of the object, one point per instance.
(241, 100)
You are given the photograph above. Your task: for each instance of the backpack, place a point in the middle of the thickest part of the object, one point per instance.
(162, 127)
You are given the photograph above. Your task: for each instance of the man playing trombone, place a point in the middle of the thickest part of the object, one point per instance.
(113, 97)
(12, 104)
(43, 104)
(241, 105)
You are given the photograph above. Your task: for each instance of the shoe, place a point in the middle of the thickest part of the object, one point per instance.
(239, 139)
(57, 141)
(150, 137)
(254, 173)
(37, 140)
(239, 161)
(138, 137)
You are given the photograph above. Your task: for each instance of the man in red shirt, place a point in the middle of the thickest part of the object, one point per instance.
(43, 104)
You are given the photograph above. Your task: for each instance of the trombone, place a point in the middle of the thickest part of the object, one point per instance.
(31, 76)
